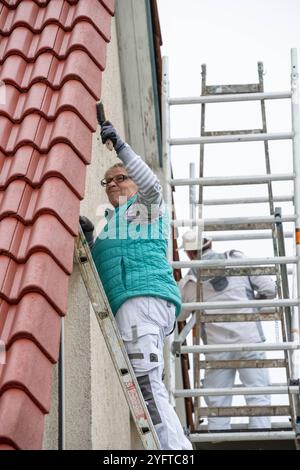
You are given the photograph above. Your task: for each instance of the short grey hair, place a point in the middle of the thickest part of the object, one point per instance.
(116, 165)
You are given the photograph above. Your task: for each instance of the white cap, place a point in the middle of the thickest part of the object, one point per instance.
(191, 243)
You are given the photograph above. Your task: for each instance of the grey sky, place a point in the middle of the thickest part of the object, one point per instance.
(230, 36)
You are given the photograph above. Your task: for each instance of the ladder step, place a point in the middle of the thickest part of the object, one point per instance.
(253, 271)
(228, 411)
(237, 390)
(260, 235)
(246, 200)
(236, 132)
(212, 348)
(232, 180)
(232, 138)
(234, 223)
(241, 262)
(249, 364)
(193, 306)
(231, 89)
(242, 436)
(239, 317)
(229, 98)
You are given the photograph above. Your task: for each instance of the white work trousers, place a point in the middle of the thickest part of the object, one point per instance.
(224, 378)
(144, 322)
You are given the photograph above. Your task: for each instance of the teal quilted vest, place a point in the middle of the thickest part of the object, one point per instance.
(132, 264)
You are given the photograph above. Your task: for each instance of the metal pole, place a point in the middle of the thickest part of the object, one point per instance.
(230, 221)
(191, 306)
(228, 98)
(213, 348)
(243, 436)
(192, 192)
(245, 236)
(247, 200)
(296, 155)
(231, 180)
(166, 146)
(169, 358)
(222, 263)
(61, 390)
(213, 392)
(231, 138)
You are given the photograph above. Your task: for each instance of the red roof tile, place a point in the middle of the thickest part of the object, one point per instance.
(33, 167)
(33, 317)
(49, 69)
(62, 13)
(52, 55)
(29, 45)
(42, 134)
(41, 99)
(14, 428)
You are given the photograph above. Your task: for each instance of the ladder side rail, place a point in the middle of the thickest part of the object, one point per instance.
(169, 359)
(115, 344)
(296, 160)
(199, 289)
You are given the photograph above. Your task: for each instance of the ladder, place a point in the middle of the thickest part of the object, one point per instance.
(115, 345)
(284, 310)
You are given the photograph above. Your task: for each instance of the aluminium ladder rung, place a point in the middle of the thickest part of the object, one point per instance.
(251, 271)
(196, 306)
(240, 262)
(246, 200)
(228, 411)
(232, 180)
(221, 318)
(231, 138)
(231, 89)
(260, 235)
(236, 391)
(236, 132)
(239, 317)
(229, 98)
(244, 364)
(115, 344)
(215, 348)
(219, 227)
(242, 436)
(233, 223)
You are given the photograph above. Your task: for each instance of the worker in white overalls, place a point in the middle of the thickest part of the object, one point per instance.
(221, 288)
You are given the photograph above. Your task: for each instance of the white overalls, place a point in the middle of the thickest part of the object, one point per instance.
(230, 289)
(144, 322)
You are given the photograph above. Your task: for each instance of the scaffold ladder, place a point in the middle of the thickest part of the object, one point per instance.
(115, 345)
(283, 309)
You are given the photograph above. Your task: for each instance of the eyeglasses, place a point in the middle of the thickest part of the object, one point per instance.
(116, 179)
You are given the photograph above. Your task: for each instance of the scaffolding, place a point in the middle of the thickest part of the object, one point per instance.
(284, 310)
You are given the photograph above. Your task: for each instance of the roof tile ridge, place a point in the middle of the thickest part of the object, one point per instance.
(14, 376)
(40, 3)
(20, 279)
(42, 134)
(26, 204)
(17, 321)
(30, 45)
(24, 240)
(68, 14)
(48, 103)
(35, 168)
(58, 71)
